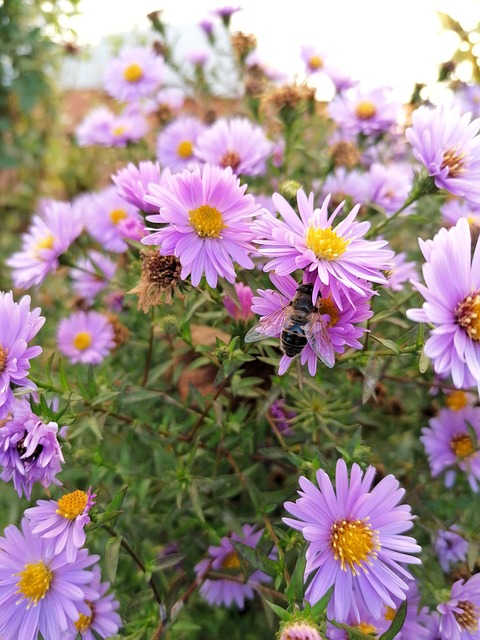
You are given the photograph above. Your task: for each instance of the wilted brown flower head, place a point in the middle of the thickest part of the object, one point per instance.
(159, 278)
(243, 44)
(345, 154)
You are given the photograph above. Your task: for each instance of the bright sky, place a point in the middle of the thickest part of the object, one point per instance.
(381, 42)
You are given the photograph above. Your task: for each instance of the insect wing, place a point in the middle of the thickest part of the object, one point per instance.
(319, 341)
(269, 326)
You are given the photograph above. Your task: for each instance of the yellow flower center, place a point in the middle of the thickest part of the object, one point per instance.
(45, 243)
(117, 215)
(185, 149)
(467, 315)
(133, 73)
(34, 582)
(84, 622)
(119, 131)
(457, 400)
(315, 62)
(461, 444)
(72, 504)
(468, 619)
(207, 221)
(454, 161)
(327, 305)
(366, 628)
(230, 159)
(353, 543)
(390, 613)
(365, 110)
(231, 561)
(82, 340)
(325, 243)
(3, 359)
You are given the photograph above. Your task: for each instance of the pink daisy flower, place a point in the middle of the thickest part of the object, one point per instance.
(339, 256)
(63, 521)
(461, 614)
(48, 237)
(132, 183)
(104, 128)
(389, 186)
(313, 58)
(85, 337)
(448, 443)
(448, 145)
(452, 304)
(240, 309)
(92, 275)
(176, 143)
(235, 143)
(208, 223)
(103, 212)
(365, 111)
(136, 73)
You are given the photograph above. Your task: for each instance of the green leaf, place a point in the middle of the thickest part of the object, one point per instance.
(117, 500)
(353, 631)
(62, 376)
(281, 613)
(295, 589)
(102, 518)
(472, 554)
(397, 623)
(112, 551)
(388, 344)
(255, 558)
(320, 606)
(423, 362)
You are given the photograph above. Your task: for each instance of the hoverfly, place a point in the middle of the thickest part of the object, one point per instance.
(298, 323)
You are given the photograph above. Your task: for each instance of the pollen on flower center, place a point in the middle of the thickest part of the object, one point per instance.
(365, 110)
(231, 561)
(117, 215)
(185, 149)
(34, 581)
(3, 359)
(454, 161)
(207, 221)
(353, 542)
(119, 131)
(72, 504)
(84, 622)
(461, 444)
(366, 628)
(315, 62)
(230, 159)
(82, 340)
(468, 619)
(467, 315)
(327, 305)
(457, 400)
(133, 73)
(325, 243)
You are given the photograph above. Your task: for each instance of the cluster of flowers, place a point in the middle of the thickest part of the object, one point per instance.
(205, 228)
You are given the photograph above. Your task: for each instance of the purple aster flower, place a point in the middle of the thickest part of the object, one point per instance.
(455, 208)
(136, 73)
(447, 144)
(469, 98)
(48, 237)
(340, 320)
(369, 112)
(225, 591)
(452, 304)
(176, 143)
(225, 13)
(102, 618)
(85, 337)
(104, 128)
(92, 275)
(29, 450)
(282, 417)
(343, 184)
(197, 57)
(341, 80)
(448, 442)
(166, 102)
(299, 630)
(235, 143)
(40, 592)
(450, 547)
(338, 257)
(132, 183)
(103, 211)
(356, 541)
(401, 271)
(389, 186)
(18, 325)
(313, 58)
(240, 309)
(209, 222)
(63, 521)
(461, 614)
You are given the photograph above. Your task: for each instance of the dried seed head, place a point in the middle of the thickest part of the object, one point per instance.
(159, 278)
